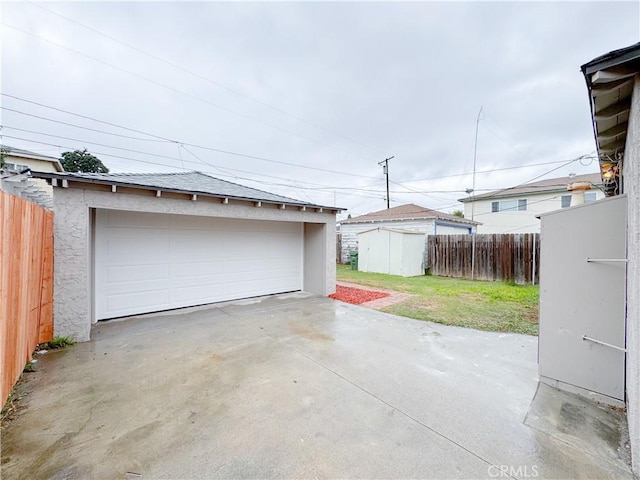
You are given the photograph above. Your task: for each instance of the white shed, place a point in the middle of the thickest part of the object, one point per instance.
(391, 251)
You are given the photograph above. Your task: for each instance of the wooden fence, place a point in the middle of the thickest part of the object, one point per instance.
(503, 257)
(26, 284)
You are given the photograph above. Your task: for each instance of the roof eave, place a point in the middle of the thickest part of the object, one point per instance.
(614, 71)
(98, 181)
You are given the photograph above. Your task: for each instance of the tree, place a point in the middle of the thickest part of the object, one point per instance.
(4, 151)
(82, 161)
(458, 213)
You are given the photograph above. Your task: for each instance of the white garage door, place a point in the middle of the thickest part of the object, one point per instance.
(151, 262)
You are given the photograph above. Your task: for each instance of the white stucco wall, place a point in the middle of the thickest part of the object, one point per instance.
(516, 221)
(631, 173)
(73, 243)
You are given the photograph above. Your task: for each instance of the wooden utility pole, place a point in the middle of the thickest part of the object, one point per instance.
(385, 169)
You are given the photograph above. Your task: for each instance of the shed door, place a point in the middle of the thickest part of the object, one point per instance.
(148, 262)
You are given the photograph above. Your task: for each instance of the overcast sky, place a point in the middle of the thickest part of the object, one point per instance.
(327, 89)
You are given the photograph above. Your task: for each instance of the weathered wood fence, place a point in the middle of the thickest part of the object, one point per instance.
(26, 284)
(503, 257)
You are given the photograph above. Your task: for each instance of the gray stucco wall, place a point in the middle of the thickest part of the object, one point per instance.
(631, 172)
(73, 243)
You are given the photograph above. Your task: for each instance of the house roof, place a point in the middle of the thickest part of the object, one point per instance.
(610, 79)
(409, 211)
(197, 183)
(18, 152)
(542, 186)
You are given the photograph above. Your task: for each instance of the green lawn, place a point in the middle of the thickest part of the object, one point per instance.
(494, 306)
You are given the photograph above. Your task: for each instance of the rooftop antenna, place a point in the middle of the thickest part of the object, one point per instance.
(473, 188)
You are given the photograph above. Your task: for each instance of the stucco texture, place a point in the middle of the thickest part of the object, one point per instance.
(73, 248)
(631, 174)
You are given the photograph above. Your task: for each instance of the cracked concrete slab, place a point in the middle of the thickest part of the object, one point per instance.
(295, 386)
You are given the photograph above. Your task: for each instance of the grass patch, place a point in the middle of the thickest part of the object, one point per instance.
(57, 342)
(493, 306)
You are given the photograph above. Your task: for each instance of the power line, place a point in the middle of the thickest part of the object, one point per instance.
(218, 150)
(554, 162)
(104, 154)
(77, 126)
(201, 77)
(319, 187)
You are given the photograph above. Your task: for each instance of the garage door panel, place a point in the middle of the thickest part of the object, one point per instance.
(115, 218)
(198, 269)
(124, 273)
(127, 248)
(122, 304)
(198, 295)
(153, 262)
(135, 285)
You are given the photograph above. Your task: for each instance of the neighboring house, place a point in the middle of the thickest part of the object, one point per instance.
(17, 160)
(613, 83)
(514, 210)
(406, 217)
(128, 244)
(15, 177)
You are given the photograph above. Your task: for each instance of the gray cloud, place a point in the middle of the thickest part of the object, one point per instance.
(403, 79)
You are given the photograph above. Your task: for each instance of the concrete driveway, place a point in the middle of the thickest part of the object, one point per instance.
(296, 386)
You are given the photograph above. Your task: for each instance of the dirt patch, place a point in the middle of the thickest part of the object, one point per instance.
(356, 296)
(16, 402)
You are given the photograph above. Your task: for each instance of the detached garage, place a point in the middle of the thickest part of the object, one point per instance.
(128, 244)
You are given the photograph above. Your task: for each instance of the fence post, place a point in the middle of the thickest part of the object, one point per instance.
(533, 266)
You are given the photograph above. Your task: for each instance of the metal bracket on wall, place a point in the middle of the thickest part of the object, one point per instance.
(599, 342)
(594, 260)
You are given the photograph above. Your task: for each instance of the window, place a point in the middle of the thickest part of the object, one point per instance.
(15, 167)
(509, 205)
(565, 201)
(590, 197)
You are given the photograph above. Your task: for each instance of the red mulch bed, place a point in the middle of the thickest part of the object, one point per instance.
(356, 296)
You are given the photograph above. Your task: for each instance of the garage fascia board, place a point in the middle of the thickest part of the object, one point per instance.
(69, 181)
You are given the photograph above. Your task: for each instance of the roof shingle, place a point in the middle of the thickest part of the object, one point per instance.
(188, 182)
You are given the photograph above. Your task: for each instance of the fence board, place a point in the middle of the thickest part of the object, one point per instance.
(498, 257)
(26, 284)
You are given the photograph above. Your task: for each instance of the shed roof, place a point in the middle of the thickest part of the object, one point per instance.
(542, 186)
(181, 182)
(409, 211)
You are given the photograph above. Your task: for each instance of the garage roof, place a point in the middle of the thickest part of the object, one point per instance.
(194, 183)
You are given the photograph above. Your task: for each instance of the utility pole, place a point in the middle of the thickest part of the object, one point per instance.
(385, 170)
